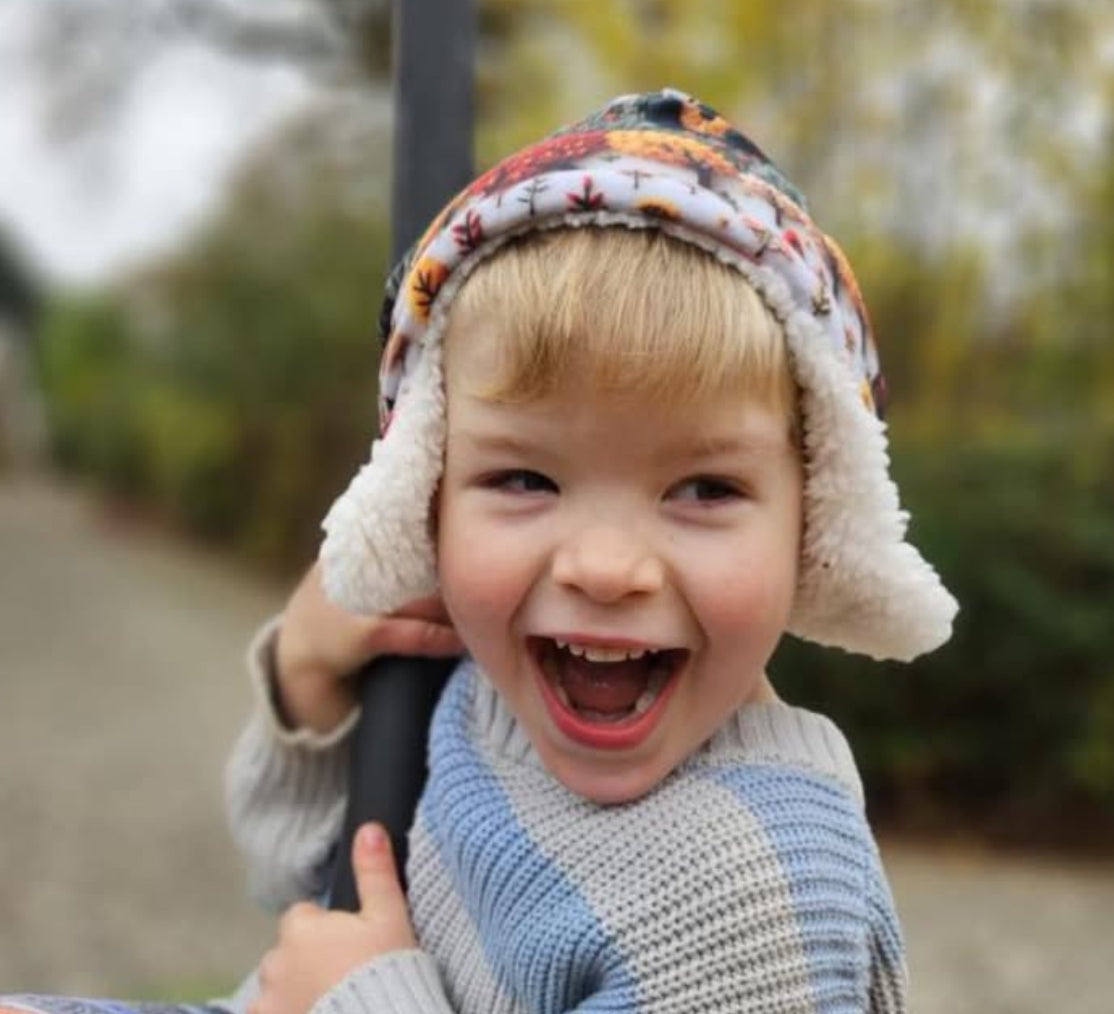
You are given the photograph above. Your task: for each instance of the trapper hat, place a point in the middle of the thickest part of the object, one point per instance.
(665, 161)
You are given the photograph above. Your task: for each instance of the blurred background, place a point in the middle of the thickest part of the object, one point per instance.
(193, 238)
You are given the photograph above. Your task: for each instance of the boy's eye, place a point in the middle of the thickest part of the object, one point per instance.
(705, 489)
(521, 480)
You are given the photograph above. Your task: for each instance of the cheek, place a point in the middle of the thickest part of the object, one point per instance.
(480, 581)
(455, 562)
(750, 592)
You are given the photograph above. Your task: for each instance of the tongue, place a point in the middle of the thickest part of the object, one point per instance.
(605, 687)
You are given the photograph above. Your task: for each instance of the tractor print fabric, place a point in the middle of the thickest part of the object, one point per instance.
(661, 160)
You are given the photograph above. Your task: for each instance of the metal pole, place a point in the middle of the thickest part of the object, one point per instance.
(434, 43)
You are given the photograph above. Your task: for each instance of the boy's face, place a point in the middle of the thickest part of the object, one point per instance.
(622, 574)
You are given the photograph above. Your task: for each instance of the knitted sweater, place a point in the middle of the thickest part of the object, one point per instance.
(747, 881)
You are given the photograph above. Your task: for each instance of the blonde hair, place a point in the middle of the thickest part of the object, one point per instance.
(625, 311)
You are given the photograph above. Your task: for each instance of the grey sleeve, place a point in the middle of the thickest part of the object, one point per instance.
(285, 793)
(402, 982)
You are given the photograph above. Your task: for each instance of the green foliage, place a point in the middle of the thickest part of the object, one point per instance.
(91, 379)
(1012, 723)
(232, 390)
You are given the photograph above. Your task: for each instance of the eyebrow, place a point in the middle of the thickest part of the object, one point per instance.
(720, 446)
(497, 442)
(699, 448)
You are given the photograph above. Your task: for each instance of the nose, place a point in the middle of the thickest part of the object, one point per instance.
(608, 564)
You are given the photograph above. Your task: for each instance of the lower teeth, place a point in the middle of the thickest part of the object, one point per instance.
(658, 678)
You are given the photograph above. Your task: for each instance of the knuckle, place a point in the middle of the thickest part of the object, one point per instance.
(376, 633)
(439, 635)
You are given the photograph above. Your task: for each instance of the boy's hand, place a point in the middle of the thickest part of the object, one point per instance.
(320, 645)
(316, 949)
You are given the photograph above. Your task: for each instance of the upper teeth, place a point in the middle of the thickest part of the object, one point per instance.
(597, 654)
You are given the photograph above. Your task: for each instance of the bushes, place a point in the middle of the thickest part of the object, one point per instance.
(1010, 727)
(92, 380)
(233, 391)
(242, 419)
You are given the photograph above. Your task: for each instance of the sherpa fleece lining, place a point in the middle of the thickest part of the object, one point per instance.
(861, 587)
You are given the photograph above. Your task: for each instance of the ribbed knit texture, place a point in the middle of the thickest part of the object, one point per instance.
(401, 981)
(748, 881)
(285, 792)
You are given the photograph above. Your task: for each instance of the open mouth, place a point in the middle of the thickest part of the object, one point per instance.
(606, 696)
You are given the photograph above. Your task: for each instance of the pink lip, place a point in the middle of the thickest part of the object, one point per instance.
(623, 735)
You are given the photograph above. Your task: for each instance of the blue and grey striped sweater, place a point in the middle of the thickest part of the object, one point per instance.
(748, 881)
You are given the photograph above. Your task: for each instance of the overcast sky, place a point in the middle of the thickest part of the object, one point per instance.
(83, 210)
(86, 209)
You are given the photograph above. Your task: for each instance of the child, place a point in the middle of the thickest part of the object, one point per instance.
(630, 436)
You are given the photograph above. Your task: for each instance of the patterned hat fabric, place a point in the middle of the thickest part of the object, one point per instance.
(665, 161)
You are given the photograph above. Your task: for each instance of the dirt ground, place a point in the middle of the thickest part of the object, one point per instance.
(121, 689)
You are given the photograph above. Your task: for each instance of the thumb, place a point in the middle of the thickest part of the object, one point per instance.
(382, 901)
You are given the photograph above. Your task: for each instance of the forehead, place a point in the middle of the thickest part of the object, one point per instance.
(626, 310)
(579, 415)
(473, 350)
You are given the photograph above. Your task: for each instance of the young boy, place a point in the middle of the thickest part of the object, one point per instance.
(630, 436)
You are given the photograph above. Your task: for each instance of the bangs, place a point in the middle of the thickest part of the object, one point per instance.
(625, 312)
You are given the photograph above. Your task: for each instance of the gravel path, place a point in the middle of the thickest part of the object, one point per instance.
(120, 694)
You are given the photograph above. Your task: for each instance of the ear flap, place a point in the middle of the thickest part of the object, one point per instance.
(378, 552)
(862, 586)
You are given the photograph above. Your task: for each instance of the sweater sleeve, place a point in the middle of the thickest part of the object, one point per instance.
(402, 982)
(285, 792)
(889, 978)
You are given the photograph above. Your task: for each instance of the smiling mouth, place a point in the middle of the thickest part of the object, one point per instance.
(606, 687)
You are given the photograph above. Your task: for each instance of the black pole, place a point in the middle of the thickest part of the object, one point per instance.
(434, 45)
(434, 52)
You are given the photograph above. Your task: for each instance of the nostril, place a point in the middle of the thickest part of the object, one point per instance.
(607, 569)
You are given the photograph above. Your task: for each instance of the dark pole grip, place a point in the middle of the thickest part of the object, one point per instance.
(434, 54)
(388, 769)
